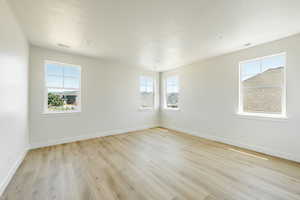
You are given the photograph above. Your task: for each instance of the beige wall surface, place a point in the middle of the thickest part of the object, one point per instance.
(110, 100)
(209, 102)
(13, 94)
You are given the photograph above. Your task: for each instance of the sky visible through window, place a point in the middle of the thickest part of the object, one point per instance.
(147, 92)
(172, 89)
(62, 77)
(252, 68)
(172, 84)
(146, 84)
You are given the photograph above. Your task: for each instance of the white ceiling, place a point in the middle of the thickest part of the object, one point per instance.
(156, 34)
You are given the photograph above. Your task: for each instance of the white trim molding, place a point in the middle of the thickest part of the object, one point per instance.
(88, 136)
(4, 183)
(260, 149)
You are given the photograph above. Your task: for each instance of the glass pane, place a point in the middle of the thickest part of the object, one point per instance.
(147, 100)
(262, 85)
(262, 100)
(146, 84)
(250, 69)
(172, 80)
(54, 69)
(54, 81)
(142, 79)
(172, 84)
(149, 88)
(273, 62)
(60, 100)
(143, 88)
(270, 78)
(172, 89)
(150, 83)
(143, 84)
(172, 100)
(71, 83)
(72, 71)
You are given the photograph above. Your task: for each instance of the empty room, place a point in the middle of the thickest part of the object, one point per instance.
(149, 100)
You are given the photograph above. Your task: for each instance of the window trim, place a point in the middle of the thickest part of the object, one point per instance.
(154, 91)
(283, 114)
(165, 107)
(45, 107)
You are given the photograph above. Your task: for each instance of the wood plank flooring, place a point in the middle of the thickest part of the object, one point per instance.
(156, 164)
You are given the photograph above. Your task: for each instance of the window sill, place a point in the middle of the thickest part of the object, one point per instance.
(62, 112)
(146, 109)
(174, 109)
(260, 116)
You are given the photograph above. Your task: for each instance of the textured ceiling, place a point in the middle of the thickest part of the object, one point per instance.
(156, 34)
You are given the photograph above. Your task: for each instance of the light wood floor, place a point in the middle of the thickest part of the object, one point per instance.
(152, 164)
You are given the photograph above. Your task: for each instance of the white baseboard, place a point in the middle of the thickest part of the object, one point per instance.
(256, 148)
(88, 136)
(4, 183)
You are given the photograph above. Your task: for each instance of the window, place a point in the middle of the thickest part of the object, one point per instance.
(172, 92)
(62, 87)
(147, 92)
(262, 86)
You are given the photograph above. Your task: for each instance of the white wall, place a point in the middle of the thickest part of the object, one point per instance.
(110, 100)
(14, 95)
(209, 103)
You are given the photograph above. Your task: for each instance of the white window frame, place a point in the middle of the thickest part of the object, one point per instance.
(241, 111)
(165, 106)
(154, 96)
(45, 110)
